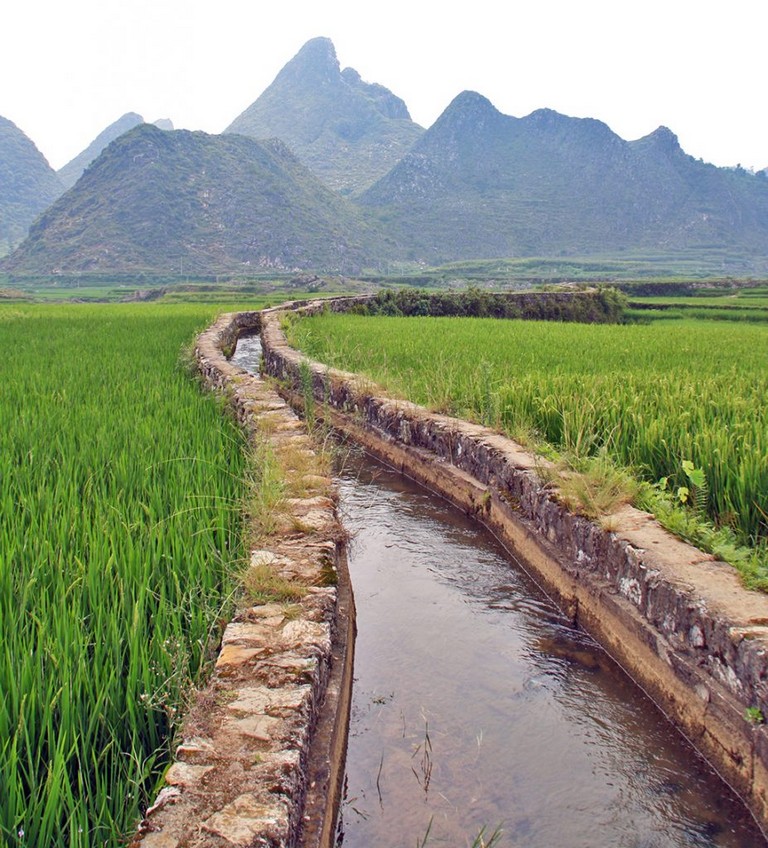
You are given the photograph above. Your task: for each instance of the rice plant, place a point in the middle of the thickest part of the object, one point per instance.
(649, 397)
(120, 530)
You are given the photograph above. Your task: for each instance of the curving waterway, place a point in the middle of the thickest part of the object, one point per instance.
(476, 704)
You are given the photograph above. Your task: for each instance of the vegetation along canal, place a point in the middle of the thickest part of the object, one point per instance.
(477, 705)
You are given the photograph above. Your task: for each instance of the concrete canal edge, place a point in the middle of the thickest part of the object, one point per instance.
(680, 623)
(261, 761)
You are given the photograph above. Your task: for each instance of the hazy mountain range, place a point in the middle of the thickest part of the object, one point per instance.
(354, 183)
(28, 184)
(188, 202)
(479, 183)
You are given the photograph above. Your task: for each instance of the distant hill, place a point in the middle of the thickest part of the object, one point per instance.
(71, 172)
(184, 202)
(482, 184)
(476, 185)
(347, 131)
(28, 184)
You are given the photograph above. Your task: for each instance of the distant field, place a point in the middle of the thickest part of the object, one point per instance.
(747, 304)
(639, 268)
(651, 395)
(120, 530)
(247, 292)
(743, 300)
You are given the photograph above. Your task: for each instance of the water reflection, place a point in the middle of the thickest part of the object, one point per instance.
(476, 704)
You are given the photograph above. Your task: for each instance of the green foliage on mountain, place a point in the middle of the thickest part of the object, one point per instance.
(71, 172)
(198, 204)
(547, 198)
(482, 184)
(28, 184)
(347, 131)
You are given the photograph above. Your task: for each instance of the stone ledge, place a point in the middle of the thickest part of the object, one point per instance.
(680, 623)
(241, 775)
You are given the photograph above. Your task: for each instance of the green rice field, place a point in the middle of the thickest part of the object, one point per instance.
(121, 488)
(649, 396)
(742, 304)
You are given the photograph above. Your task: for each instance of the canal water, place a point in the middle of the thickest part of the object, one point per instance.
(477, 707)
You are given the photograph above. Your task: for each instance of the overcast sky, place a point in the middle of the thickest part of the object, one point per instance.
(68, 68)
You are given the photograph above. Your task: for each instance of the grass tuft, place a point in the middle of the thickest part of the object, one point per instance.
(262, 585)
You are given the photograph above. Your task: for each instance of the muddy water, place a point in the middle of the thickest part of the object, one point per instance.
(476, 704)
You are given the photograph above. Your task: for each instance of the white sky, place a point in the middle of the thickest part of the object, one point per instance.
(68, 68)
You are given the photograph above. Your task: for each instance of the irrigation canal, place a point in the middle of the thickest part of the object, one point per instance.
(477, 705)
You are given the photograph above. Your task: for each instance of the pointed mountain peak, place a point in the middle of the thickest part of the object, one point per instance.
(468, 115)
(661, 142)
(471, 101)
(71, 172)
(662, 137)
(348, 131)
(316, 61)
(318, 50)
(547, 116)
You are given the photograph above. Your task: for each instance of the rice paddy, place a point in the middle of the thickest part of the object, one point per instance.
(122, 487)
(120, 531)
(653, 398)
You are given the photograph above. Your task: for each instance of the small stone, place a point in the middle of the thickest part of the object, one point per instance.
(267, 611)
(302, 632)
(251, 700)
(316, 519)
(316, 501)
(262, 557)
(289, 697)
(168, 795)
(243, 821)
(193, 747)
(696, 637)
(260, 727)
(243, 633)
(232, 656)
(703, 692)
(184, 774)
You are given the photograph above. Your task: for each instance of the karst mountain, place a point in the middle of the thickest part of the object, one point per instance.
(349, 132)
(190, 203)
(325, 172)
(28, 184)
(482, 184)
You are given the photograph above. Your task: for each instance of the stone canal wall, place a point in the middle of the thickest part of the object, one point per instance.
(679, 622)
(261, 756)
